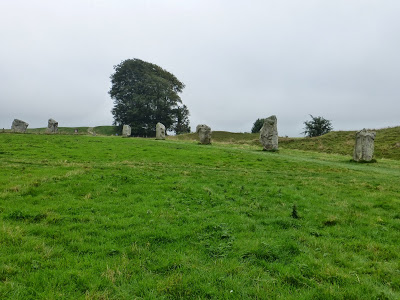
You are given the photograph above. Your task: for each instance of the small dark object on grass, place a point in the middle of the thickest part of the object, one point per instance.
(295, 215)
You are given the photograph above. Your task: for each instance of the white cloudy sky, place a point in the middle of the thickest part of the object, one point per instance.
(240, 60)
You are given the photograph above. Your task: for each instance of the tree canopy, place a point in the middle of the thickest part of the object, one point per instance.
(145, 94)
(258, 124)
(317, 126)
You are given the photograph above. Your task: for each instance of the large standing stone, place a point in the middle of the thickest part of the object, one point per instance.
(52, 126)
(269, 134)
(160, 131)
(126, 131)
(364, 147)
(19, 126)
(204, 133)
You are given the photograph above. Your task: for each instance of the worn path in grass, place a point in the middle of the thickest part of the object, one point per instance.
(108, 217)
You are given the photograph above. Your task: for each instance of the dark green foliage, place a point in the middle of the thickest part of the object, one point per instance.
(182, 120)
(145, 94)
(258, 124)
(317, 126)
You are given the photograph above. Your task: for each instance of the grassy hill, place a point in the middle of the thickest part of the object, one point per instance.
(98, 130)
(96, 217)
(387, 142)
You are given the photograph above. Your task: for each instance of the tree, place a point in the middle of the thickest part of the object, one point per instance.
(182, 122)
(258, 124)
(145, 94)
(317, 126)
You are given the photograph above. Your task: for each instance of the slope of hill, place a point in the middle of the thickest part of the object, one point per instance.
(100, 130)
(387, 142)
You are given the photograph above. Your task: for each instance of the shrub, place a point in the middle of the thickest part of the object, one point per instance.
(317, 126)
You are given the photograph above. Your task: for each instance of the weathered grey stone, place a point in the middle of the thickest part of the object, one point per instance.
(126, 131)
(204, 133)
(160, 131)
(52, 126)
(91, 131)
(269, 134)
(19, 126)
(364, 147)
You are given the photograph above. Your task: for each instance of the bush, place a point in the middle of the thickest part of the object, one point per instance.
(317, 126)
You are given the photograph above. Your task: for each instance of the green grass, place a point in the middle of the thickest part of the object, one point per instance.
(222, 137)
(98, 130)
(89, 217)
(387, 142)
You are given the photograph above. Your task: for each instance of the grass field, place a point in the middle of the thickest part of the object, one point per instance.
(387, 142)
(89, 217)
(100, 130)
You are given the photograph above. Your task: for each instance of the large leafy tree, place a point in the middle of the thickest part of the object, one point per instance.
(317, 126)
(145, 94)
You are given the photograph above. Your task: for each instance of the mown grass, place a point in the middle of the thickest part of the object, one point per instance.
(85, 217)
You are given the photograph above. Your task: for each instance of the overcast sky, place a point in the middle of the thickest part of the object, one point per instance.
(239, 60)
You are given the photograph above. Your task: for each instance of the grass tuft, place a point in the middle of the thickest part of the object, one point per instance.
(295, 214)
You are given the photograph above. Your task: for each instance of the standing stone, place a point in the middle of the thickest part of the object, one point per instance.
(269, 134)
(364, 147)
(52, 126)
(160, 131)
(126, 131)
(91, 131)
(19, 126)
(204, 133)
